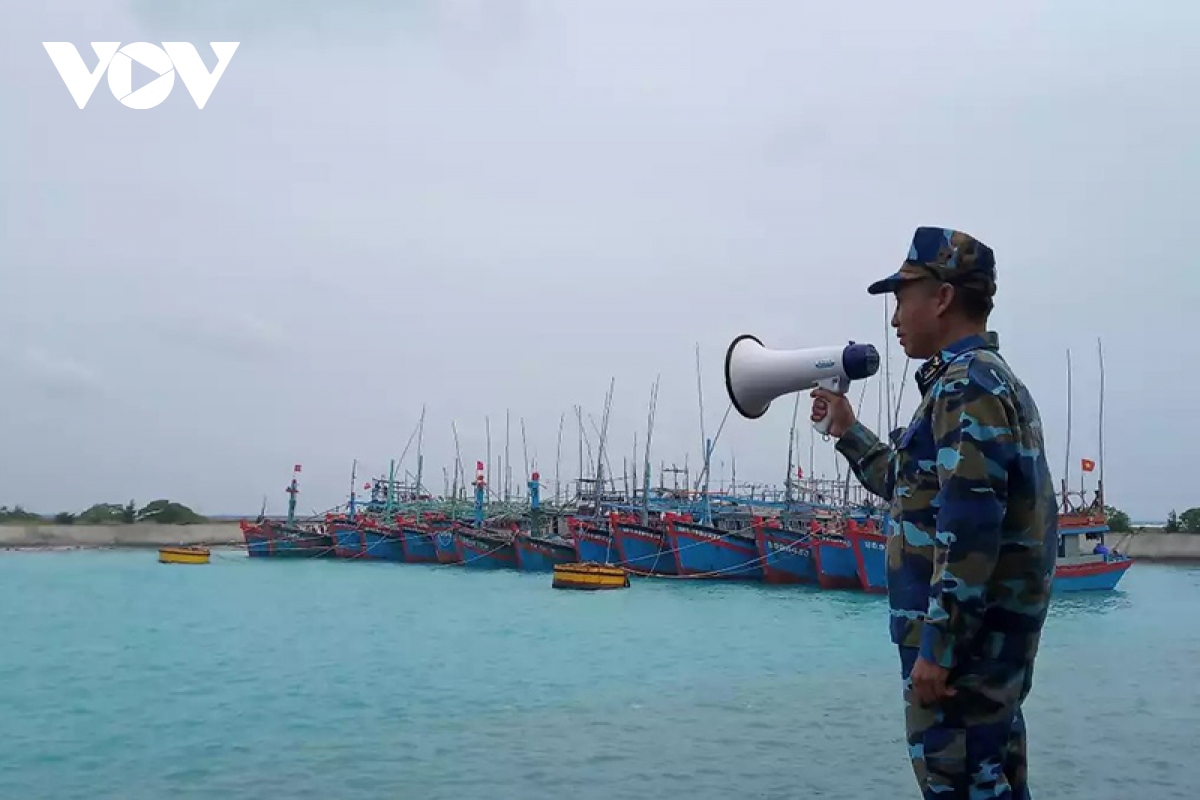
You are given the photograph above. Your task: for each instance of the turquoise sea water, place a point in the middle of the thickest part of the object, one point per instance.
(247, 680)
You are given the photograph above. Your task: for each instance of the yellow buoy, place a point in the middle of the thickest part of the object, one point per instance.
(183, 555)
(589, 576)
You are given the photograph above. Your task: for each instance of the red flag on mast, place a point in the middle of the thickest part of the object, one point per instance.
(1088, 465)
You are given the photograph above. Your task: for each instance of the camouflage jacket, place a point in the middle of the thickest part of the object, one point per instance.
(973, 521)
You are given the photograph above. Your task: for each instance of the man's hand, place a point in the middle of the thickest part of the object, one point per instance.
(827, 402)
(929, 683)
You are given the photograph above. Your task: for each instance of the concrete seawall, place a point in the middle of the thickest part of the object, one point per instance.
(140, 535)
(1158, 546)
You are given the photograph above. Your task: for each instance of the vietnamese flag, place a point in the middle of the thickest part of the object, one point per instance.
(1088, 465)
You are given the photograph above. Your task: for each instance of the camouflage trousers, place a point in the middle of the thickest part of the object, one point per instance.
(973, 745)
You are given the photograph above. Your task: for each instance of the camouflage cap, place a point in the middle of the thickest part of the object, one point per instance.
(950, 256)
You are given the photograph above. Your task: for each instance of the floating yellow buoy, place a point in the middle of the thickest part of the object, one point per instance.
(589, 576)
(183, 555)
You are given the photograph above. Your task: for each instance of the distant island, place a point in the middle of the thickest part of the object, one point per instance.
(163, 512)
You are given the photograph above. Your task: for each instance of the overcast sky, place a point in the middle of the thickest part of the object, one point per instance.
(504, 204)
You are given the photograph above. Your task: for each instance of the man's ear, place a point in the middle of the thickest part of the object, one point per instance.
(945, 298)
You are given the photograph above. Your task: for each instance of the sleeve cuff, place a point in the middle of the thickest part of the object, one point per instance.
(856, 442)
(937, 645)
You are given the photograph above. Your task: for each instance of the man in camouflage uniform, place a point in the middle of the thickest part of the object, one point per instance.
(973, 524)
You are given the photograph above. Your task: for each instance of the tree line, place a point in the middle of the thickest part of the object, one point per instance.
(1187, 522)
(163, 512)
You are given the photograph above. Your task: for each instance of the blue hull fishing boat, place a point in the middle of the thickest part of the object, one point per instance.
(1078, 570)
(703, 551)
(787, 555)
(870, 555)
(540, 554)
(366, 539)
(485, 549)
(836, 567)
(420, 546)
(643, 549)
(447, 547)
(594, 544)
(268, 539)
(1082, 566)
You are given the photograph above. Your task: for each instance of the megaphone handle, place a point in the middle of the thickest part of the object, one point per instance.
(837, 386)
(822, 427)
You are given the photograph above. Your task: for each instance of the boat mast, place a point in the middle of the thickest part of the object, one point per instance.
(458, 467)
(603, 433)
(646, 465)
(1066, 506)
(887, 369)
(507, 462)
(524, 450)
(420, 453)
(292, 491)
(1100, 482)
(705, 444)
(579, 425)
(558, 456)
(391, 492)
(787, 486)
(487, 426)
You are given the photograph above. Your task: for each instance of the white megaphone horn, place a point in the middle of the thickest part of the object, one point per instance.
(754, 375)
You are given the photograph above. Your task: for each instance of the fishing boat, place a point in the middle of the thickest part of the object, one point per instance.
(183, 555)
(869, 546)
(594, 543)
(418, 539)
(487, 548)
(366, 538)
(542, 553)
(447, 546)
(836, 565)
(786, 554)
(710, 552)
(267, 538)
(642, 549)
(1076, 569)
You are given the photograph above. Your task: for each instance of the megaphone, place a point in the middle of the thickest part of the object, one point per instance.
(755, 375)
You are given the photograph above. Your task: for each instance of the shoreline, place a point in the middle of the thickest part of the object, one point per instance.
(1144, 545)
